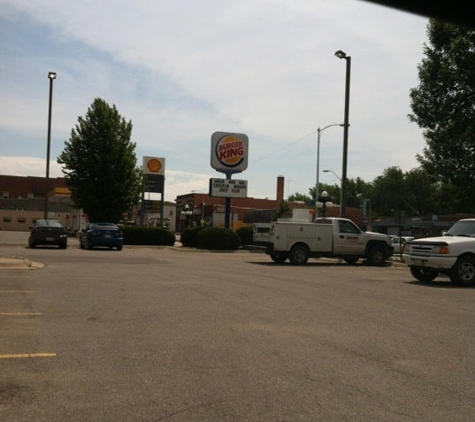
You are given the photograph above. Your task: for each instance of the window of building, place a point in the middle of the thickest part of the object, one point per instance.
(5, 195)
(21, 220)
(7, 219)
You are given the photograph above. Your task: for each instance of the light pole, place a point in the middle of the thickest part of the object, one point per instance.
(186, 211)
(51, 77)
(324, 202)
(319, 134)
(344, 181)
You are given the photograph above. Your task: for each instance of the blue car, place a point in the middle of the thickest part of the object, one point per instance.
(102, 234)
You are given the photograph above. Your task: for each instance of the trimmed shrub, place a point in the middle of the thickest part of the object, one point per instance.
(137, 235)
(245, 234)
(217, 238)
(188, 236)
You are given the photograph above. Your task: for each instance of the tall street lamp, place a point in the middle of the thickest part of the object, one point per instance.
(319, 134)
(344, 181)
(51, 77)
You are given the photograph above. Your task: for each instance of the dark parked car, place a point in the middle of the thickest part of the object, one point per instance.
(48, 232)
(101, 234)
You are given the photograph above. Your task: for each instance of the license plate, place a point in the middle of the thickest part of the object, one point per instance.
(49, 239)
(107, 236)
(419, 262)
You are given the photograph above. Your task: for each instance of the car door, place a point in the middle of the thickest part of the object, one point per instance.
(350, 239)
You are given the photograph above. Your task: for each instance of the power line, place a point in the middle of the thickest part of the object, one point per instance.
(285, 147)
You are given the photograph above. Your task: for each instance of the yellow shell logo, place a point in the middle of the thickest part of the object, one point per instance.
(154, 165)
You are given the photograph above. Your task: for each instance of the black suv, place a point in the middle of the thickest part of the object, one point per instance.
(48, 232)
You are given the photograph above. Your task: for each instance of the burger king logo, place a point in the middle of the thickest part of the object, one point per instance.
(230, 151)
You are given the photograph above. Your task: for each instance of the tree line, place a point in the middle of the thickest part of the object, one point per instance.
(443, 105)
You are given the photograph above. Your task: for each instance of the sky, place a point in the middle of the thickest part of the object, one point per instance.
(181, 70)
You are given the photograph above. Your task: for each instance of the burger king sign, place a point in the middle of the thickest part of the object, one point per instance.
(229, 152)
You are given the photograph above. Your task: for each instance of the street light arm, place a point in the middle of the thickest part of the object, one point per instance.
(331, 171)
(320, 130)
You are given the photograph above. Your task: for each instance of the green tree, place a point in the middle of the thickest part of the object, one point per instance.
(283, 210)
(99, 164)
(300, 197)
(443, 105)
(332, 190)
(388, 192)
(358, 190)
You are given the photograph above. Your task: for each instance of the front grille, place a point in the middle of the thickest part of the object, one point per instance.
(421, 249)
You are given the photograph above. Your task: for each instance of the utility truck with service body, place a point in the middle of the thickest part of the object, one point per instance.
(452, 254)
(326, 237)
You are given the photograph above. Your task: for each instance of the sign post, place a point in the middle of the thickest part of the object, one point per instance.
(229, 155)
(154, 175)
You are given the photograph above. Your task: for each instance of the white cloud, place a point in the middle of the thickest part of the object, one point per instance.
(182, 70)
(176, 182)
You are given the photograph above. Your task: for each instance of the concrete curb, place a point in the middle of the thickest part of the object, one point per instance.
(19, 263)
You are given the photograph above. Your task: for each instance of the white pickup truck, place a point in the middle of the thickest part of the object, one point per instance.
(452, 254)
(326, 237)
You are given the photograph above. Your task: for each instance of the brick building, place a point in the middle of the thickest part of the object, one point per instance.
(23, 201)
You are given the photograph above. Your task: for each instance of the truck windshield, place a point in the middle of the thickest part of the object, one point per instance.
(462, 228)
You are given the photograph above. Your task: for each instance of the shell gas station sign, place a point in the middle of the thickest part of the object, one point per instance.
(154, 165)
(154, 174)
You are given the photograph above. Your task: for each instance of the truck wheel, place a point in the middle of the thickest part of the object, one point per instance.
(278, 257)
(376, 256)
(350, 259)
(298, 255)
(463, 272)
(426, 275)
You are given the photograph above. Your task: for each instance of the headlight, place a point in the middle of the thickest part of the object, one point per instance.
(441, 250)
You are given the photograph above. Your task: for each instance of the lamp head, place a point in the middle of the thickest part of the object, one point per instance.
(52, 75)
(340, 54)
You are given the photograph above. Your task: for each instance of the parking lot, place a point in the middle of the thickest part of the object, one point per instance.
(159, 333)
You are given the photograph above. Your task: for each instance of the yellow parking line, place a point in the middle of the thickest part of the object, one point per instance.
(20, 313)
(28, 355)
(17, 291)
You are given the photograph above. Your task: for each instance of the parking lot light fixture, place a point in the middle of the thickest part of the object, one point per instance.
(51, 77)
(344, 181)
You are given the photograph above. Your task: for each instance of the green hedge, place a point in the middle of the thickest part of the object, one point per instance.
(188, 236)
(215, 238)
(245, 233)
(137, 235)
